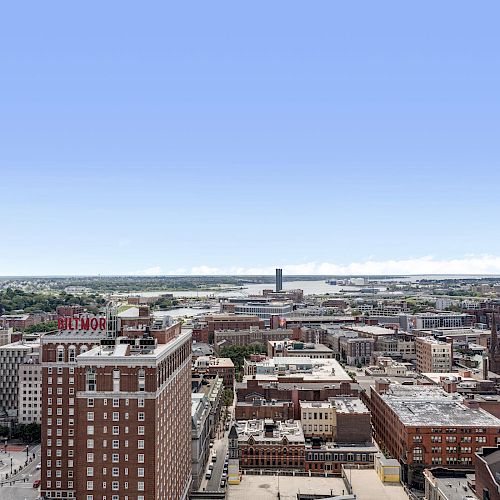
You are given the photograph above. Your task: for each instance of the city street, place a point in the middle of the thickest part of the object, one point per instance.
(22, 489)
(220, 446)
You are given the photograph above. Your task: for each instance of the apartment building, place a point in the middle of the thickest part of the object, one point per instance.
(30, 389)
(12, 357)
(433, 356)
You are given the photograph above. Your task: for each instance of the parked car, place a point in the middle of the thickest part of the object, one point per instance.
(222, 483)
(36, 483)
(208, 474)
(210, 466)
(38, 467)
(214, 456)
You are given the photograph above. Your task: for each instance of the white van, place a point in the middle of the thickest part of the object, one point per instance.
(208, 475)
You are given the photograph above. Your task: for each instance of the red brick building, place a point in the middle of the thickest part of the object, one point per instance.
(487, 470)
(266, 444)
(422, 426)
(261, 409)
(329, 457)
(223, 367)
(203, 331)
(294, 392)
(114, 406)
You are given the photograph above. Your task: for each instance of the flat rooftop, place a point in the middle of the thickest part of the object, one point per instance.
(257, 487)
(366, 486)
(117, 353)
(375, 331)
(21, 345)
(349, 405)
(417, 405)
(308, 369)
(455, 488)
(292, 429)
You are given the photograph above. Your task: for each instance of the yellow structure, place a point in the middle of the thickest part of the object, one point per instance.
(388, 469)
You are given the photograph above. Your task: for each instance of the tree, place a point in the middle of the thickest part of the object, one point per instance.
(42, 327)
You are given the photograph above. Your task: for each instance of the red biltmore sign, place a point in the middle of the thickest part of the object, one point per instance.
(81, 323)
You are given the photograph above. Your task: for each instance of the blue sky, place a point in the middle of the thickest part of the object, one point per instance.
(223, 137)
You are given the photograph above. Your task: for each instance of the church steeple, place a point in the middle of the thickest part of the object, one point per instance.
(494, 350)
(494, 335)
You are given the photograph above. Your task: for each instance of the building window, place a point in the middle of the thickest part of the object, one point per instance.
(90, 485)
(91, 379)
(418, 455)
(71, 354)
(90, 471)
(142, 380)
(60, 354)
(116, 380)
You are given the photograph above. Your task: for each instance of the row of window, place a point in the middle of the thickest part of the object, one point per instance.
(115, 471)
(115, 443)
(141, 416)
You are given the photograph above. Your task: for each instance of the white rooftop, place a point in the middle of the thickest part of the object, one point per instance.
(417, 405)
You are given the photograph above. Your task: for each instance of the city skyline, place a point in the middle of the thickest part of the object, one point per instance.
(164, 141)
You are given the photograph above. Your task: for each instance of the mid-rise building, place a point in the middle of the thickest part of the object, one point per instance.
(446, 484)
(297, 370)
(356, 350)
(267, 444)
(291, 348)
(5, 335)
(265, 310)
(487, 476)
(423, 426)
(441, 320)
(260, 409)
(319, 419)
(223, 367)
(204, 328)
(30, 389)
(12, 357)
(200, 437)
(433, 356)
(329, 457)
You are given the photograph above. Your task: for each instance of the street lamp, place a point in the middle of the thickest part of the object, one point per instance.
(11, 466)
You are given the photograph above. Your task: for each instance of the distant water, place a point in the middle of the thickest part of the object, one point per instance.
(310, 287)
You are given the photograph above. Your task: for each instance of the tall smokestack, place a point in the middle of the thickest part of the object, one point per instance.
(485, 368)
(279, 280)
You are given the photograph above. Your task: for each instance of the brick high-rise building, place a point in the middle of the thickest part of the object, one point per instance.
(116, 423)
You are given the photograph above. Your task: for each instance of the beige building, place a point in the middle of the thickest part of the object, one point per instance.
(433, 356)
(30, 390)
(319, 419)
(5, 335)
(12, 356)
